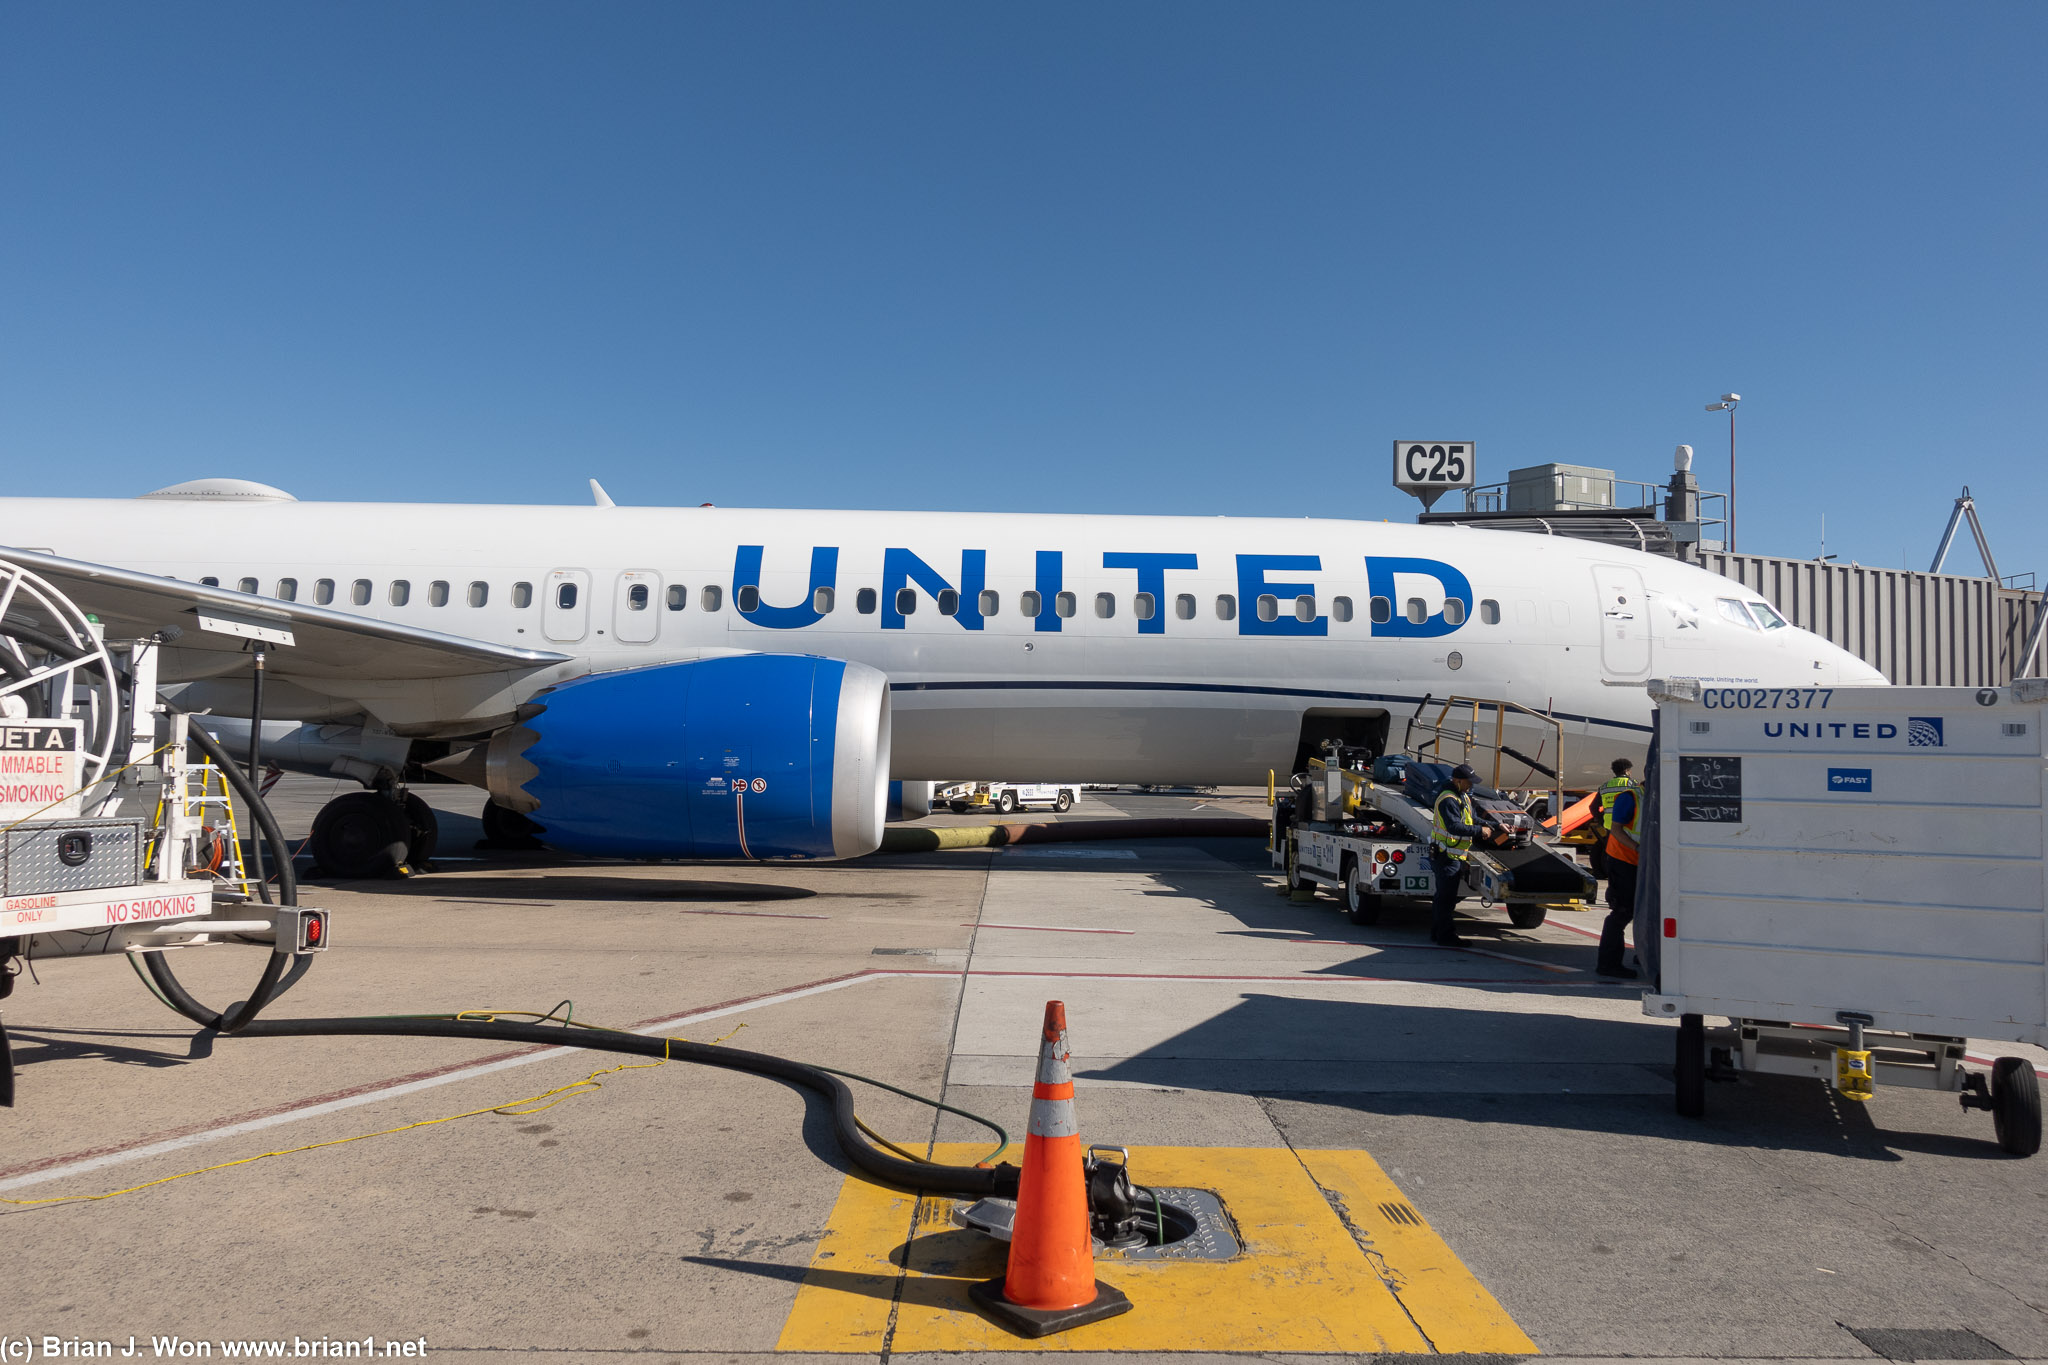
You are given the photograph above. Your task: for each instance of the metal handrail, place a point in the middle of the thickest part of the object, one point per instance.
(1466, 735)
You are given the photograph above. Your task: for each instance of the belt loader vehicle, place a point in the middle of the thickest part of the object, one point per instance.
(1361, 825)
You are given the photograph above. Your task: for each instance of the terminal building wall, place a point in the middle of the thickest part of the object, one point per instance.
(1921, 629)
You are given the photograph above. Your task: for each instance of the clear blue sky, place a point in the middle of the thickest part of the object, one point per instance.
(1146, 257)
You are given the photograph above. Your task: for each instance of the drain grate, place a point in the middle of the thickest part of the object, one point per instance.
(903, 952)
(1401, 1213)
(1928, 1343)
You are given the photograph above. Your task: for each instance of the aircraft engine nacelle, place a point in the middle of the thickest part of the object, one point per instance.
(748, 756)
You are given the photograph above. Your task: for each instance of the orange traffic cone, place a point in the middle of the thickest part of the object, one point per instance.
(1051, 1285)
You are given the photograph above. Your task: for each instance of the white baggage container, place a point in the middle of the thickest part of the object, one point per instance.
(1855, 878)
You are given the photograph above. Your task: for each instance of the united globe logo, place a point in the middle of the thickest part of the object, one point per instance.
(1923, 732)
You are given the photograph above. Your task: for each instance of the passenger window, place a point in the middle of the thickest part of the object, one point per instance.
(522, 595)
(1418, 610)
(990, 602)
(359, 592)
(1226, 607)
(949, 602)
(1144, 606)
(906, 601)
(437, 593)
(1184, 606)
(1269, 607)
(678, 597)
(479, 593)
(1489, 612)
(1732, 609)
(401, 592)
(1454, 611)
(821, 601)
(323, 591)
(747, 597)
(210, 582)
(864, 601)
(1382, 609)
(1340, 608)
(1105, 605)
(1030, 603)
(565, 596)
(637, 597)
(1304, 608)
(712, 597)
(247, 585)
(287, 589)
(1065, 604)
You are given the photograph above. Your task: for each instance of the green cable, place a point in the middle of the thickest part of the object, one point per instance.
(142, 976)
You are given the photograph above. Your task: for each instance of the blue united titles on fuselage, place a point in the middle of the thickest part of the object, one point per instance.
(1257, 576)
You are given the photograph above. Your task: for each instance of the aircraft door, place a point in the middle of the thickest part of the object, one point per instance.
(636, 618)
(1624, 620)
(565, 610)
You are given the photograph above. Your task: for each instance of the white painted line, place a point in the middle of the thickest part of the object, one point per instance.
(394, 1090)
(1050, 928)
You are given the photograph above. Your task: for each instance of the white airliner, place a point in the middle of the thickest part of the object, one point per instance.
(719, 682)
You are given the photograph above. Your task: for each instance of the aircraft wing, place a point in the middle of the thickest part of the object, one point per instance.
(218, 625)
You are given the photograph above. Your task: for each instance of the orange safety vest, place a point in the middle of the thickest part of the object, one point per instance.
(1622, 839)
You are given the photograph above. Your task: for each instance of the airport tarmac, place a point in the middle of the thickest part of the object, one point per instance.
(1427, 1151)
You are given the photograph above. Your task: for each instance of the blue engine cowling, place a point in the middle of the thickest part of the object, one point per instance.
(748, 756)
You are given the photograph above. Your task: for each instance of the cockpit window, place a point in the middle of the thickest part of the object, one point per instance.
(1732, 609)
(1770, 618)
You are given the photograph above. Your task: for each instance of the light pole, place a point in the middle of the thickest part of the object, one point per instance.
(1727, 405)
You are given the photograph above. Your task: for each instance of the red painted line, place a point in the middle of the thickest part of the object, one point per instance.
(1049, 928)
(1295, 980)
(1987, 1061)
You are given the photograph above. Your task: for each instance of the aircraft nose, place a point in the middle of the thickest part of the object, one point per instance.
(1851, 671)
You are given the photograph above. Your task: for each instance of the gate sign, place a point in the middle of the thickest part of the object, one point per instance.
(1430, 469)
(38, 770)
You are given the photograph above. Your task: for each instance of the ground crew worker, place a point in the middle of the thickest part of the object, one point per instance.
(1622, 854)
(1609, 790)
(1450, 843)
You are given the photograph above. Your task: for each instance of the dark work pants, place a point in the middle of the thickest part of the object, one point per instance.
(1450, 889)
(1597, 855)
(1621, 911)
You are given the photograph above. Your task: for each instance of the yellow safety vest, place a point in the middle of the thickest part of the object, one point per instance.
(1454, 846)
(1612, 788)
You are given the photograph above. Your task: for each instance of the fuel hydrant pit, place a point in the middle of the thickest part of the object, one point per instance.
(1196, 1226)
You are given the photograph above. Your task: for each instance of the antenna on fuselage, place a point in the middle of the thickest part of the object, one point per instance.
(598, 496)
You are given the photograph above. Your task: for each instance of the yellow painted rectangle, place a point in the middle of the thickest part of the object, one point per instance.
(1303, 1282)
(1444, 1298)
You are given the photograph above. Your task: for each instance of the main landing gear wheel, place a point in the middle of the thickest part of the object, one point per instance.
(1064, 803)
(1692, 1066)
(1007, 803)
(1361, 906)
(426, 831)
(1524, 916)
(361, 835)
(2016, 1105)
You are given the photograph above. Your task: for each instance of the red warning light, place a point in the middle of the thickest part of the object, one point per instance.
(1670, 927)
(1400, 855)
(313, 931)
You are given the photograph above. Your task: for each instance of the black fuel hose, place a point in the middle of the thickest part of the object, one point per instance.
(273, 982)
(252, 800)
(962, 1181)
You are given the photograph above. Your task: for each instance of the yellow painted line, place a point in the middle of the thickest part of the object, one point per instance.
(1446, 1300)
(851, 1278)
(1303, 1283)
